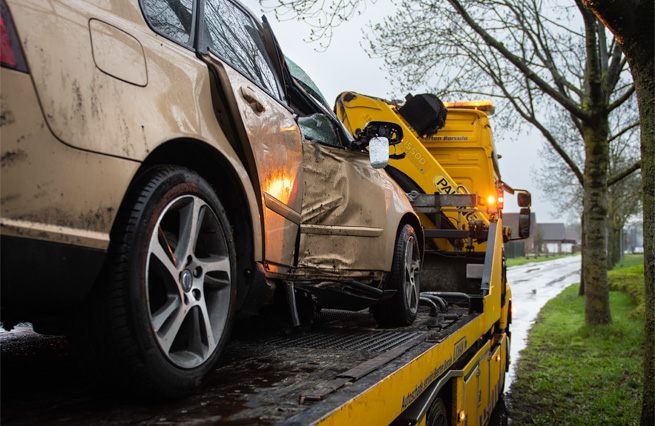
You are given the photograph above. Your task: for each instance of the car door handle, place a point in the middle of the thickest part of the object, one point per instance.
(249, 96)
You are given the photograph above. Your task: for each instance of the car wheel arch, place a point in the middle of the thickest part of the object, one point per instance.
(215, 167)
(413, 220)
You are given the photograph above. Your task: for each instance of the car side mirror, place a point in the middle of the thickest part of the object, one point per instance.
(378, 151)
(524, 223)
(524, 199)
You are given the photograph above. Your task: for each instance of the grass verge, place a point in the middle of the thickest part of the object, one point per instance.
(630, 260)
(630, 279)
(516, 261)
(573, 374)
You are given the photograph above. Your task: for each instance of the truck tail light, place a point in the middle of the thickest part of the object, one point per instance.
(501, 198)
(11, 55)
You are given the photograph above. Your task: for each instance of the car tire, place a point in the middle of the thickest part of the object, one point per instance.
(164, 310)
(401, 309)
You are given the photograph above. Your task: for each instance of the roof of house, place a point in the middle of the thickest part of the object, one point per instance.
(557, 232)
(553, 231)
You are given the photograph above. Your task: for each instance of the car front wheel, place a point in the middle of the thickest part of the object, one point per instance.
(164, 313)
(402, 308)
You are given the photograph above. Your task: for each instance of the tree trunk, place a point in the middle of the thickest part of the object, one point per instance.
(597, 310)
(643, 71)
(613, 242)
(632, 24)
(583, 243)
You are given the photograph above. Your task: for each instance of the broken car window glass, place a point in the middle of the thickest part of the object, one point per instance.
(171, 18)
(319, 128)
(307, 83)
(235, 38)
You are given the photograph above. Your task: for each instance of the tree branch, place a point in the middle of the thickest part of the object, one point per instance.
(627, 172)
(563, 100)
(624, 97)
(594, 73)
(617, 62)
(623, 131)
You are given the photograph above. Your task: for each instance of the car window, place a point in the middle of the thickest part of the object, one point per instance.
(170, 18)
(320, 128)
(235, 38)
(324, 126)
(305, 82)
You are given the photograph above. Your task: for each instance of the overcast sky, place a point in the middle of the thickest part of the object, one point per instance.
(345, 66)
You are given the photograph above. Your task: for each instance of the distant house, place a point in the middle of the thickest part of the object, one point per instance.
(555, 238)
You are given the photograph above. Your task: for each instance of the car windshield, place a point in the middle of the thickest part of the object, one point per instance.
(305, 82)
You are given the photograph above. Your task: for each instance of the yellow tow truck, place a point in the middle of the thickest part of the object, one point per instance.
(449, 366)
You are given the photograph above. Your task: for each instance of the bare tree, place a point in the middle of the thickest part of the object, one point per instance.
(624, 196)
(631, 21)
(535, 56)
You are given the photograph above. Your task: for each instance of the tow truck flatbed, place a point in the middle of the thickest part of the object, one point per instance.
(344, 370)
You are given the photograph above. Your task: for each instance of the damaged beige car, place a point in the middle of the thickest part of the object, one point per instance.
(163, 171)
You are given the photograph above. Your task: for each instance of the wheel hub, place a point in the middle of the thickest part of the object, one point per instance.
(186, 280)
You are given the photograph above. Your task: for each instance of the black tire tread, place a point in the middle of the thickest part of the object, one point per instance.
(114, 344)
(390, 313)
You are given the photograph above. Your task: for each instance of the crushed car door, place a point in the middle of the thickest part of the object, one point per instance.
(271, 140)
(344, 211)
(345, 201)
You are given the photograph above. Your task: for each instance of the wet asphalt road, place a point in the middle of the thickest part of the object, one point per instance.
(534, 284)
(44, 381)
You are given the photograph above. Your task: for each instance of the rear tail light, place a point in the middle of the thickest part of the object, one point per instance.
(501, 198)
(11, 55)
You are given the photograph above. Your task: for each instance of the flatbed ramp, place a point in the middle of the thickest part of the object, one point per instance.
(344, 370)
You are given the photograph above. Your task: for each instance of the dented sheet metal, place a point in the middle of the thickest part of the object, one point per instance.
(344, 212)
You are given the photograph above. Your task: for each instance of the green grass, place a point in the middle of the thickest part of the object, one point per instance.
(630, 279)
(573, 374)
(516, 261)
(630, 260)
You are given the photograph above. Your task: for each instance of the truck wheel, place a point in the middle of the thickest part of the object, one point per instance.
(164, 314)
(437, 415)
(401, 309)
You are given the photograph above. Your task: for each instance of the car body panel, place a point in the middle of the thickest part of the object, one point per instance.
(276, 142)
(67, 209)
(345, 218)
(82, 100)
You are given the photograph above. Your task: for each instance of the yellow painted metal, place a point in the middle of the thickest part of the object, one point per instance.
(491, 302)
(356, 110)
(505, 310)
(460, 154)
(496, 375)
(465, 149)
(478, 385)
(467, 388)
(384, 401)
(483, 410)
